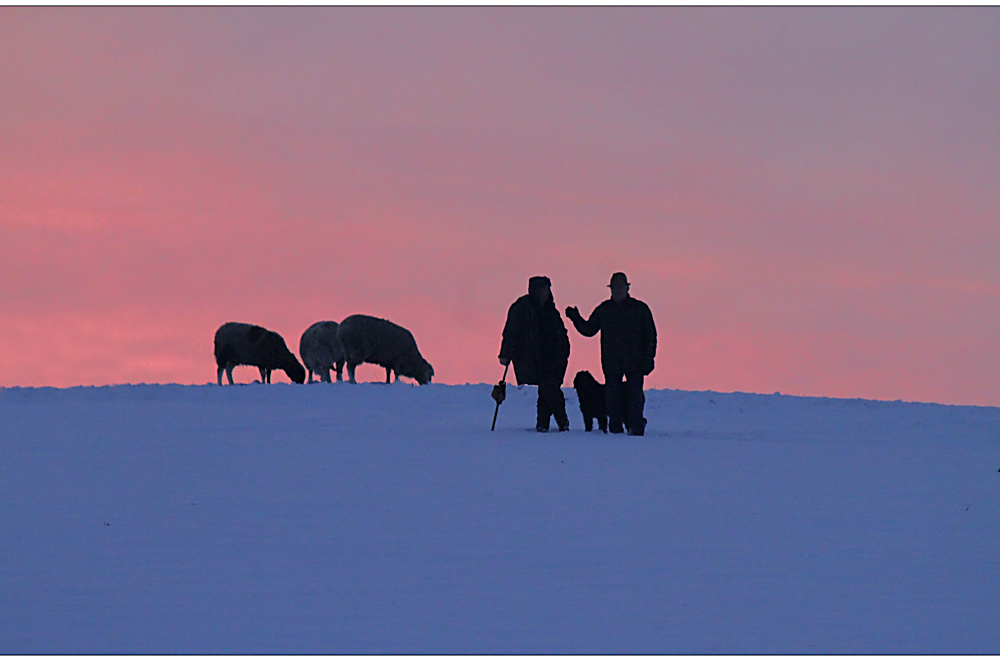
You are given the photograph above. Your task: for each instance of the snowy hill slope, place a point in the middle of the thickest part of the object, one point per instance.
(388, 519)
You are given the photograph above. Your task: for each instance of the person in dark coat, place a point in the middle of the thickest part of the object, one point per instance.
(628, 347)
(535, 339)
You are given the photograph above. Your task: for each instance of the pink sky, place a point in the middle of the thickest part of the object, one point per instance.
(807, 199)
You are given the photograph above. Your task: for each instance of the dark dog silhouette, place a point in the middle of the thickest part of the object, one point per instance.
(592, 402)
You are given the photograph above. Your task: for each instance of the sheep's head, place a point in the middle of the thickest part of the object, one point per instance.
(423, 372)
(293, 368)
(415, 367)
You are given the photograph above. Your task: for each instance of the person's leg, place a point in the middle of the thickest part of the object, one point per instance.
(614, 393)
(544, 407)
(635, 402)
(559, 407)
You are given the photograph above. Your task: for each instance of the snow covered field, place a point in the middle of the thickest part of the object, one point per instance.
(388, 519)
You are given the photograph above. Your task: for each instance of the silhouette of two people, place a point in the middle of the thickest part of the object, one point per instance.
(536, 341)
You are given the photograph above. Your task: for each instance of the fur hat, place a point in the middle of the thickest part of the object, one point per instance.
(537, 282)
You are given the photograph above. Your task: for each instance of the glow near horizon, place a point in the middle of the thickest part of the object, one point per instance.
(806, 198)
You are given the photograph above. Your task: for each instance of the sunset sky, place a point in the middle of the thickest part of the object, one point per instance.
(807, 198)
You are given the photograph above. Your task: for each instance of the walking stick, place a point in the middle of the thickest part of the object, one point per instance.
(499, 394)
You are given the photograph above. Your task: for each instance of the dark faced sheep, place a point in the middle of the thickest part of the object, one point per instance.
(321, 350)
(379, 341)
(246, 344)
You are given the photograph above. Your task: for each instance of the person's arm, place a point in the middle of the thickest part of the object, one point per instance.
(511, 335)
(586, 327)
(563, 340)
(649, 336)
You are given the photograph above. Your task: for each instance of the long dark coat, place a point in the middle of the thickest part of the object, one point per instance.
(628, 335)
(536, 341)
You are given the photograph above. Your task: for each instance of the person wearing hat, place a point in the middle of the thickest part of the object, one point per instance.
(535, 339)
(628, 347)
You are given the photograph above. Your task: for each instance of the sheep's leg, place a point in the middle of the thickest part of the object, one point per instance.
(310, 376)
(263, 375)
(340, 371)
(350, 372)
(324, 376)
(229, 372)
(388, 373)
(219, 374)
(268, 375)
(395, 377)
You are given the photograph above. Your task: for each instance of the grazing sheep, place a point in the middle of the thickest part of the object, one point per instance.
(592, 401)
(379, 341)
(246, 344)
(321, 350)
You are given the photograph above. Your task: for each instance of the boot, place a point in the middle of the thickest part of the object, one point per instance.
(542, 424)
(562, 420)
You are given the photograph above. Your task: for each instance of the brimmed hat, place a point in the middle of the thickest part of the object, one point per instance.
(618, 279)
(537, 282)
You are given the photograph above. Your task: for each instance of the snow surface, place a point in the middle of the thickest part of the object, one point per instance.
(377, 518)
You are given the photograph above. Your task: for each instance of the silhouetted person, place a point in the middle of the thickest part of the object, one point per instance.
(535, 339)
(628, 347)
